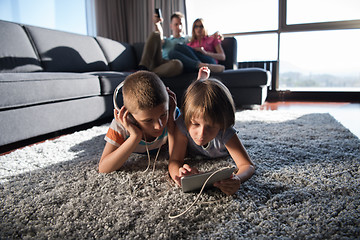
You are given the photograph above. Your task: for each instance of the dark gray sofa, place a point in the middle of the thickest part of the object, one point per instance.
(53, 80)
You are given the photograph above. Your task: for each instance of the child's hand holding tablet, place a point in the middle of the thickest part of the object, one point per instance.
(196, 181)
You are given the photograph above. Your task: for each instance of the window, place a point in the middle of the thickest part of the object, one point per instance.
(314, 11)
(259, 47)
(320, 60)
(318, 38)
(232, 16)
(319, 51)
(66, 15)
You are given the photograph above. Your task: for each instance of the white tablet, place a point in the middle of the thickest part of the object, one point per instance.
(196, 181)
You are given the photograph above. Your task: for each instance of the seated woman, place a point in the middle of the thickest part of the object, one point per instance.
(202, 51)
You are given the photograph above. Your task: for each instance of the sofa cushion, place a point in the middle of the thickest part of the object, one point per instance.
(23, 89)
(249, 78)
(22, 123)
(120, 56)
(249, 96)
(245, 77)
(16, 52)
(110, 80)
(67, 52)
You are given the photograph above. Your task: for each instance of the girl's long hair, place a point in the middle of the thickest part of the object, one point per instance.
(193, 36)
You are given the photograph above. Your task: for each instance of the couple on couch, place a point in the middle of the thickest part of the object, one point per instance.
(169, 57)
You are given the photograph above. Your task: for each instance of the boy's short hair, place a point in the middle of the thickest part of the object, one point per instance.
(211, 98)
(143, 90)
(177, 15)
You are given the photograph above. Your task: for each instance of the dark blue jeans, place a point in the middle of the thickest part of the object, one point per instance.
(189, 57)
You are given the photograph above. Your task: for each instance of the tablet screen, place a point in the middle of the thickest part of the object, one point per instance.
(196, 181)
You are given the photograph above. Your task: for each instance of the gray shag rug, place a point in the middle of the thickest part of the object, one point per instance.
(306, 186)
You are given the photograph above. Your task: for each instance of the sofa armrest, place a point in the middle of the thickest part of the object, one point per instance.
(229, 45)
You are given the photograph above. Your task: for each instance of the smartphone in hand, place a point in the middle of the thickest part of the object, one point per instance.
(158, 12)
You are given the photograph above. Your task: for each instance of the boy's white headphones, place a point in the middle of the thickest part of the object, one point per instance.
(115, 95)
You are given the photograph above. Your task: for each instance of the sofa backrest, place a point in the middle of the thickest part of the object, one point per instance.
(30, 49)
(16, 51)
(120, 56)
(67, 52)
(138, 48)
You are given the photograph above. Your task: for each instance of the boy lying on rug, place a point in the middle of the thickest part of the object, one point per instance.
(205, 127)
(144, 123)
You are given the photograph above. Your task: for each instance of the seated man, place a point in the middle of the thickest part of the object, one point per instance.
(155, 55)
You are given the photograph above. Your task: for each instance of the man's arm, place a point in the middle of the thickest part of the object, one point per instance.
(158, 27)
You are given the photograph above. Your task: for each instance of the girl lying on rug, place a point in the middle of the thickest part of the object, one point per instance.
(205, 127)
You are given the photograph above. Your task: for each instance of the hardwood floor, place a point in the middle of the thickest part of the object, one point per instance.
(348, 114)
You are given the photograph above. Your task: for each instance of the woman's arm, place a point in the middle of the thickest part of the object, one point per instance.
(219, 55)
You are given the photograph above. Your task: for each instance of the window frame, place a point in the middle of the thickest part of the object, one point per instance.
(283, 27)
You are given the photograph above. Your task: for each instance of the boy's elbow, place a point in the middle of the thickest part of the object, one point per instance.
(103, 169)
(252, 169)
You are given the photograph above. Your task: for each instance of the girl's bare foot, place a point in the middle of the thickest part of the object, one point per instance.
(215, 67)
